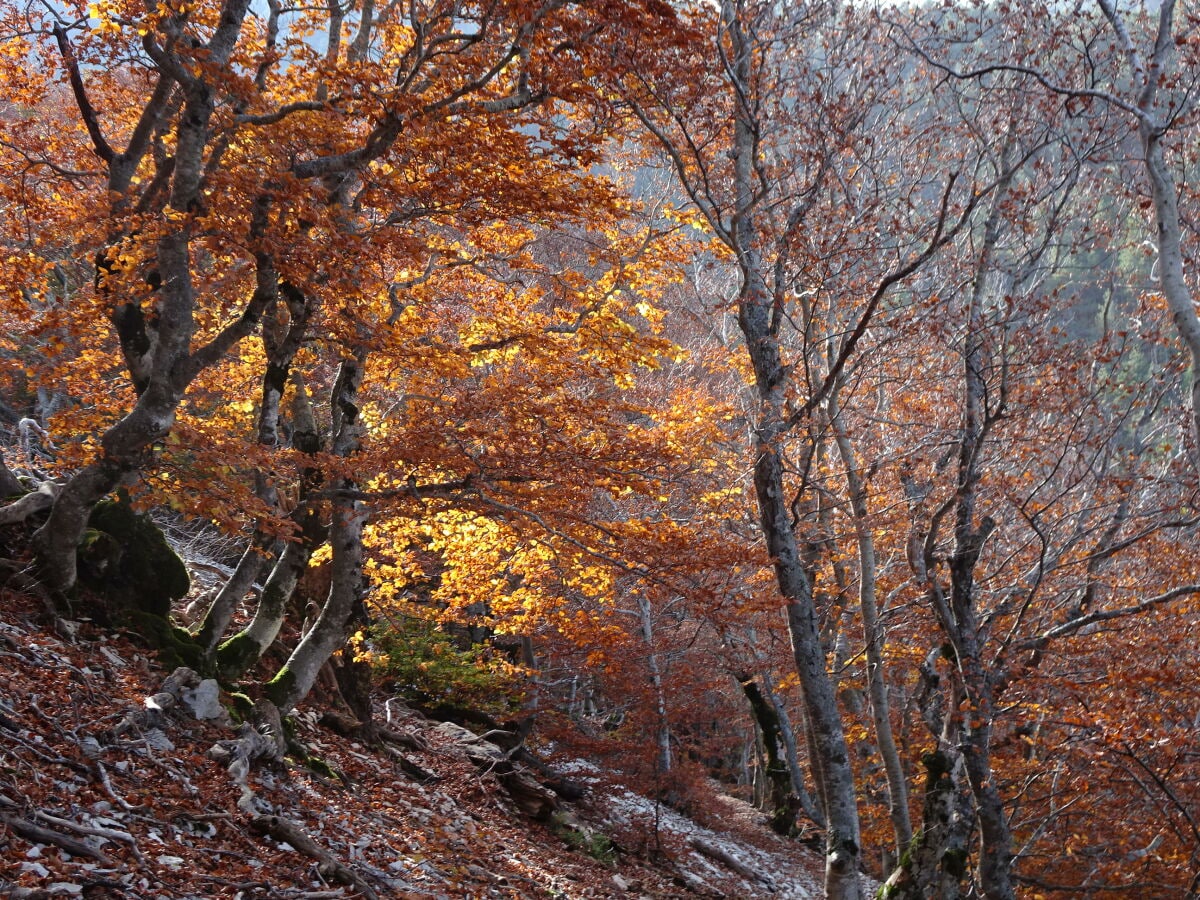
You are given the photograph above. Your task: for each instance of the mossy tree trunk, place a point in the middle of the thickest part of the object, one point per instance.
(781, 802)
(236, 655)
(329, 633)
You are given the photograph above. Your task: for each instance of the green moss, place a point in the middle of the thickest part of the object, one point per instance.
(175, 645)
(241, 706)
(125, 558)
(279, 687)
(595, 844)
(236, 655)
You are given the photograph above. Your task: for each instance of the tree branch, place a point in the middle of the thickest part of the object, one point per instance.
(86, 110)
(1071, 626)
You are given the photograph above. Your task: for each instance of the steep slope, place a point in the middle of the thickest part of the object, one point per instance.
(108, 791)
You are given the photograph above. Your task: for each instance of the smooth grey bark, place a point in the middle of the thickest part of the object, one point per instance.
(236, 655)
(873, 632)
(963, 626)
(755, 304)
(1154, 123)
(970, 701)
(126, 447)
(788, 736)
(662, 735)
(220, 612)
(329, 633)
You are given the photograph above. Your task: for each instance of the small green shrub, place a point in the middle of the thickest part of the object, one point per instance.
(596, 845)
(429, 668)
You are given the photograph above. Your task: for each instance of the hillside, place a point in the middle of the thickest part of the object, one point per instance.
(102, 795)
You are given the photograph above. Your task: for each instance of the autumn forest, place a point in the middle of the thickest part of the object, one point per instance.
(798, 400)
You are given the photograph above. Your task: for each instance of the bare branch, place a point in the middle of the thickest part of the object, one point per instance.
(86, 110)
(1071, 626)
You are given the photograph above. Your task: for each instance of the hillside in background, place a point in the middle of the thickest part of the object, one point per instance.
(98, 799)
(576, 413)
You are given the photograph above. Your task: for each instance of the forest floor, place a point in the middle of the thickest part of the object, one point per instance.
(148, 813)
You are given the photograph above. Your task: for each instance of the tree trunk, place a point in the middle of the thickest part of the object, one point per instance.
(662, 735)
(788, 736)
(1152, 128)
(873, 636)
(126, 447)
(240, 652)
(755, 303)
(331, 629)
(780, 802)
(280, 343)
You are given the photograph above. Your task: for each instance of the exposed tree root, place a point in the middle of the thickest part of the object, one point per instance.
(30, 504)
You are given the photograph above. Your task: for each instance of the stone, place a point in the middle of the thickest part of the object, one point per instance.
(204, 702)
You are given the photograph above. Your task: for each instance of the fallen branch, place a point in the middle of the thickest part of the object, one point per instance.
(288, 832)
(38, 835)
(410, 768)
(109, 834)
(727, 859)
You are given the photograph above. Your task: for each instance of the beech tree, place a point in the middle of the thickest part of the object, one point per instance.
(759, 204)
(222, 174)
(432, 309)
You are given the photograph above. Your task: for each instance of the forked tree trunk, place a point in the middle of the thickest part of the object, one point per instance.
(126, 447)
(329, 633)
(835, 779)
(280, 345)
(236, 655)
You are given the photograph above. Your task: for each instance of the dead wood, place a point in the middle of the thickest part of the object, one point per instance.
(38, 835)
(403, 738)
(288, 832)
(410, 768)
(156, 706)
(727, 859)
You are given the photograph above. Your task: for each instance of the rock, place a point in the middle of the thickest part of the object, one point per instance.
(621, 884)
(204, 702)
(126, 557)
(156, 739)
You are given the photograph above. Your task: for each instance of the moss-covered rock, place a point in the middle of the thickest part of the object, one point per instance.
(176, 646)
(125, 558)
